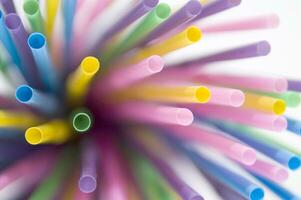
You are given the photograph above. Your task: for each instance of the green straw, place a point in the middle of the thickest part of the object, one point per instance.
(81, 120)
(158, 15)
(33, 14)
(47, 190)
(292, 99)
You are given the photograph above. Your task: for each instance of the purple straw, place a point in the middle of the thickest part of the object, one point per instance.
(184, 190)
(8, 6)
(19, 35)
(257, 49)
(190, 10)
(294, 85)
(216, 7)
(88, 180)
(132, 15)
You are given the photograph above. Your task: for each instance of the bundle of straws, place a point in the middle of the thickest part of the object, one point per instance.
(98, 113)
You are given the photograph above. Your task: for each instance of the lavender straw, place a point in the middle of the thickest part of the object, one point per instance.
(132, 15)
(88, 180)
(257, 49)
(190, 10)
(8, 6)
(184, 190)
(294, 85)
(216, 7)
(19, 36)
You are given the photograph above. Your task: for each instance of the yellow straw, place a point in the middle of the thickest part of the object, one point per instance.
(187, 37)
(264, 103)
(51, 10)
(53, 132)
(79, 81)
(180, 94)
(21, 120)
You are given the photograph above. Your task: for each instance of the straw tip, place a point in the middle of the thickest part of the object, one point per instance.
(279, 107)
(263, 48)
(33, 135)
(280, 124)
(184, 117)
(194, 33)
(256, 194)
(281, 85)
(36, 40)
(162, 10)
(155, 64)
(203, 94)
(81, 121)
(87, 184)
(31, 7)
(294, 163)
(237, 98)
(193, 7)
(90, 65)
(23, 93)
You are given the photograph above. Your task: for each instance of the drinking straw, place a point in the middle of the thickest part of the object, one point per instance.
(226, 96)
(180, 187)
(79, 81)
(8, 6)
(38, 45)
(228, 147)
(18, 120)
(266, 21)
(294, 85)
(132, 15)
(160, 13)
(87, 182)
(191, 9)
(81, 120)
(263, 84)
(177, 94)
(27, 95)
(221, 174)
(51, 11)
(293, 125)
(14, 25)
(154, 114)
(53, 132)
(33, 14)
(134, 73)
(189, 36)
(49, 186)
(268, 170)
(280, 155)
(292, 99)
(257, 49)
(216, 7)
(246, 117)
(282, 192)
(264, 104)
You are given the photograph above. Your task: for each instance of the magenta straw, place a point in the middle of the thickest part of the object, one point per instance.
(294, 85)
(14, 25)
(184, 190)
(190, 10)
(8, 6)
(246, 117)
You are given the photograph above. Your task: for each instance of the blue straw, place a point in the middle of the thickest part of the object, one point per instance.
(43, 102)
(38, 45)
(293, 126)
(284, 157)
(236, 182)
(280, 191)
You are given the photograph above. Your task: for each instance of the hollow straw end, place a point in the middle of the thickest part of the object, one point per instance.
(155, 64)
(255, 192)
(23, 93)
(281, 85)
(87, 184)
(237, 98)
(90, 65)
(263, 48)
(184, 117)
(193, 7)
(36, 40)
(203, 94)
(33, 136)
(279, 107)
(246, 155)
(294, 163)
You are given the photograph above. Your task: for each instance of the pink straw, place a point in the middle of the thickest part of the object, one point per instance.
(252, 23)
(152, 113)
(247, 117)
(228, 147)
(79, 195)
(264, 84)
(226, 96)
(270, 171)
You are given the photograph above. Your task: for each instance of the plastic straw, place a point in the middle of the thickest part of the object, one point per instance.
(223, 175)
(282, 156)
(176, 94)
(18, 120)
(190, 10)
(8, 6)
(292, 99)
(49, 186)
(228, 147)
(264, 104)
(51, 11)
(79, 81)
(33, 14)
(154, 114)
(247, 117)
(293, 125)
(53, 132)
(38, 45)
(27, 95)
(88, 178)
(264, 84)
(294, 85)
(187, 37)
(81, 120)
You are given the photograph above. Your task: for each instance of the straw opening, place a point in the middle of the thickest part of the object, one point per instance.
(90, 65)
(33, 135)
(184, 117)
(203, 94)
(12, 21)
(194, 34)
(279, 107)
(87, 184)
(81, 122)
(31, 7)
(36, 40)
(24, 93)
(162, 10)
